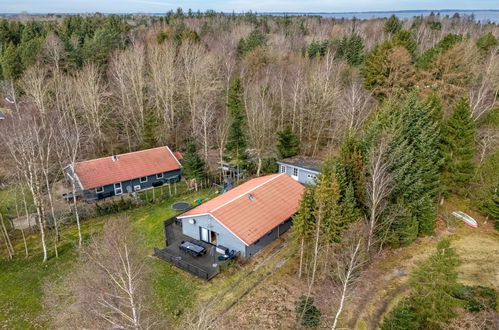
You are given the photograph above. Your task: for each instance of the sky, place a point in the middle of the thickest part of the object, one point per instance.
(161, 6)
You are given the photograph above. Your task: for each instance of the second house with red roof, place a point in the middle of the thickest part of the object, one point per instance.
(125, 173)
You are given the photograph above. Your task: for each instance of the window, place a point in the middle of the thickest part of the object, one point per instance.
(295, 172)
(143, 179)
(99, 189)
(137, 187)
(283, 169)
(159, 176)
(117, 189)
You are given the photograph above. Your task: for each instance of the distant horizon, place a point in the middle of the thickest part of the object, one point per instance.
(256, 12)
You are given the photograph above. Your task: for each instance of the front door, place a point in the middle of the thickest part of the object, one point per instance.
(204, 234)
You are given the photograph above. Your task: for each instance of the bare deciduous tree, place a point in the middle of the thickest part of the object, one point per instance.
(112, 284)
(379, 185)
(349, 261)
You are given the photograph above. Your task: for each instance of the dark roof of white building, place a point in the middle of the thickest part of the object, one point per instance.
(308, 163)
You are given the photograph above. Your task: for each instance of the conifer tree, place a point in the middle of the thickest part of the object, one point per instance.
(327, 199)
(433, 284)
(236, 144)
(288, 143)
(192, 165)
(149, 139)
(303, 224)
(458, 148)
(393, 25)
(11, 63)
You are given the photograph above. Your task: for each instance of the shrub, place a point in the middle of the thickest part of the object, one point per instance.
(402, 317)
(306, 311)
(477, 298)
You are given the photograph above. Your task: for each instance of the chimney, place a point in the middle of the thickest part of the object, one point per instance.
(115, 158)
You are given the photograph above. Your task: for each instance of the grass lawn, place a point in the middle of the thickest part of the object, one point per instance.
(22, 279)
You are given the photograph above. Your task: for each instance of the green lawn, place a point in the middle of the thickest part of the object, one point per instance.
(22, 279)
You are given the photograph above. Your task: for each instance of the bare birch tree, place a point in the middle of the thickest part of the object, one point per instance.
(128, 72)
(163, 81)
(349, 261)
(111, 286)
(379, 185)
(89, 88)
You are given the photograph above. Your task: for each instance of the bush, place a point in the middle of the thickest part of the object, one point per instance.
(114, 206)
(269, 165)
(477, 298)
(401, 317)
(311, 315)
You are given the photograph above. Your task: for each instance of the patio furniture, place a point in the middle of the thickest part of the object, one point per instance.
(227, 256)
(192, 248)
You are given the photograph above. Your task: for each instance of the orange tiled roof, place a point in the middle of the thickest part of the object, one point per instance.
(103, 171)
(254, 208)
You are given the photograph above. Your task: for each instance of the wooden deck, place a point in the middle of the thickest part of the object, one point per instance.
(205, 267)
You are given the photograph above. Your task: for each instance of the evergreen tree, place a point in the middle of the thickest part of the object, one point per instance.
(192, 165)
(11, 63)
(486, 42)
(304, 223)
(288, 144)
(433, 284)
(404, 38)
(402, 317)
(458, 149)
(393, 25)
(149, 129)
(235, 150)
(255, 39)
(352, 49)
(327, 205)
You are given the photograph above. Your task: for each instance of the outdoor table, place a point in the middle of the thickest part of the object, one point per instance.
(194, 249)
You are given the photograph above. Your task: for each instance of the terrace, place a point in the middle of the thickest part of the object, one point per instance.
(206, 266)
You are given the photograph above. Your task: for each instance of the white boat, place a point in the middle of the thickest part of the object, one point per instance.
(466, 218)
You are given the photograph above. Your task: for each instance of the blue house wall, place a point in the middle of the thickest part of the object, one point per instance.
(225, 237)
(129, 185)
(305, 176)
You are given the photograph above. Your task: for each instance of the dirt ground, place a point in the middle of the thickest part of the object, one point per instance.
(270, 305)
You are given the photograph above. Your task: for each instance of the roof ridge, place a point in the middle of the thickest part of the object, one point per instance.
(126, 153)
(247, 192)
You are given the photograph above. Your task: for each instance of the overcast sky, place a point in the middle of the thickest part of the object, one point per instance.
(149, 6)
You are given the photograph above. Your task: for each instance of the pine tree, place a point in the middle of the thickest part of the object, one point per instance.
(303, 224)
(393, 25)
(458, 148)
(11, 63)
(433, 284)
(327, 201)
(288, 144)
(149, 129)
(192, 165)
(236, 143)
(404, 38)
(352, 49)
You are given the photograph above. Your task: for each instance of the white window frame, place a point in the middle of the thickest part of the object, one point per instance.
(116, 189)
(283, 168)
(143, 181)
(295, 170)
(99, 190)
(137, 187)
(159, 176)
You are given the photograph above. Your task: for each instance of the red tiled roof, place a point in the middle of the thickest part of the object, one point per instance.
(178, 155)
(103, 171)
(254, 208)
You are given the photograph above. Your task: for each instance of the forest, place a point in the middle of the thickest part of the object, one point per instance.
(404, 113)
